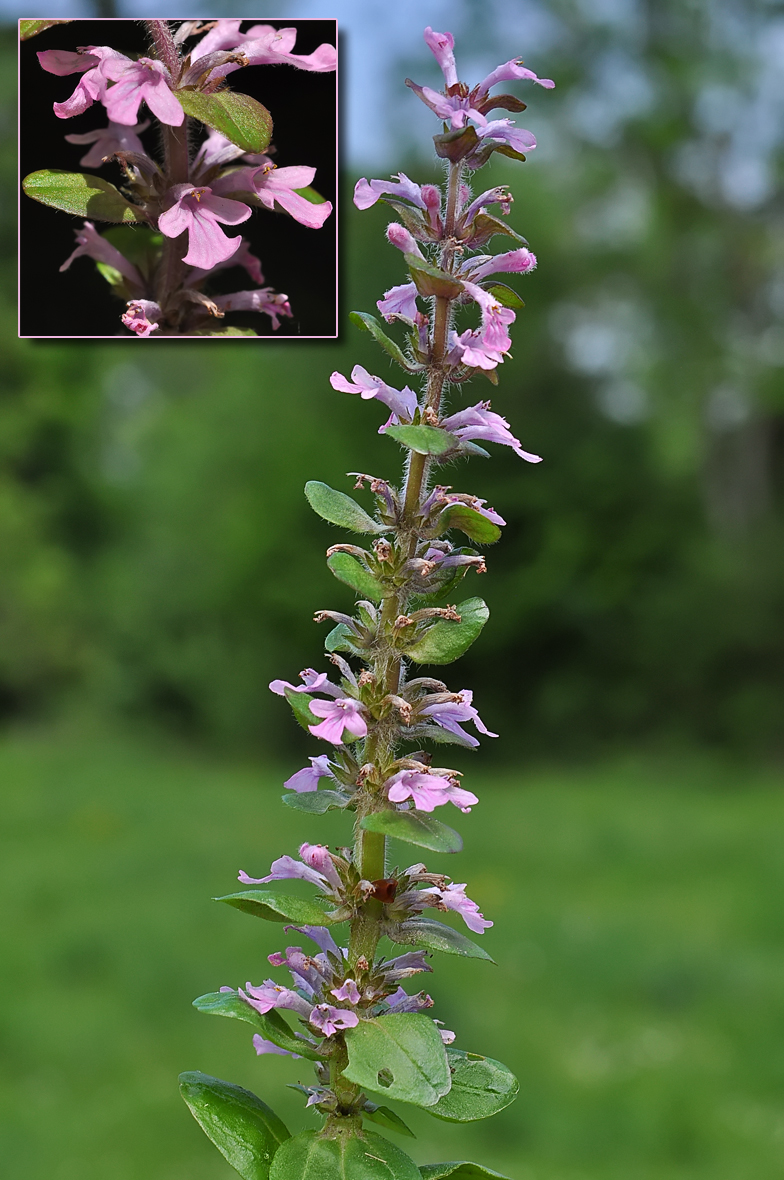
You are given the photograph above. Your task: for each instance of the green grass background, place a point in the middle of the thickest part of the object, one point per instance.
(638, 993)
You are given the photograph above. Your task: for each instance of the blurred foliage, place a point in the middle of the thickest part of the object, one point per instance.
(637, 994)
(160, 556)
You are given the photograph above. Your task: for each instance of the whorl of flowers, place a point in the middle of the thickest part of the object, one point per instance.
(371, 1037)
(184, 207)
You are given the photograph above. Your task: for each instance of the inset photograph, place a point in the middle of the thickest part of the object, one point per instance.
(178, 178)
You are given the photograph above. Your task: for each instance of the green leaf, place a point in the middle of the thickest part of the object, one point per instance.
(399, 1055)
(387, 1118)
(506, 296)
(369, 323)
(272, 1026)
(277, 907)
(308, 1156)
(425, 440)
(31, 28)
(80, 194)
(340, 509)
(316, 802)
(342, 638)
(436, 936)
(139, 245)
(242, 1127)
(458, 1170)
(455, 145)
(431, 280)
(446, 641)
(472, 523)
(300, 706)
(480, 1088)
(239, 117)
(347, 569)
(229, 330)
(485, 226)
(415, 828)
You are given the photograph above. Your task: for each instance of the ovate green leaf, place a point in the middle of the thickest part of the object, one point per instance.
(369, 323)
(387, 1118)
(458, 1170)
(426, 440)
(271, 1026)
(242, 1127)
(446, 641)
(31, 28)
(338, 508)
(480, 1088)
(316, 802)
(347, 569)
(437, 936)
(308, 1156)
(469, 521)
(239, 117)
(80, 194)
(415, 828)
(277, 907)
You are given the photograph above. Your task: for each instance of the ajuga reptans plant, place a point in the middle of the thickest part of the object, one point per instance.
(174, 214)
(353, 1010)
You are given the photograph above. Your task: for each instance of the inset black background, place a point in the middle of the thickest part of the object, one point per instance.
(296, 260)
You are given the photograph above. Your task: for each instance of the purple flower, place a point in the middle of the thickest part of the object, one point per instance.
(453, 897)
(339, 716)
(500, 131)
(402, 402)
(401, 1001)
(322, 938)
(453, 109)
(241, 257)
(348, 991)
(214, 152)
(399, 301)
(92, 85)
(306, 780)
(473, 349)
(427, 791)
(262, 1046)
(451, 714)
(510, 70)
(316, 867)
(366, 193)
(108, 140)
(329, 1020)
(90, 242)
(442, 46)
(405, 965)
(145, 80)
(270, 995)
(479, 422)
(447, 1037)
(198, 211)
(272, 185)
(141, 316)
(306, 971)
(263, 45)
(313, 681)
(264, 300)
(513, 261)
(477, 504)
(492, 196)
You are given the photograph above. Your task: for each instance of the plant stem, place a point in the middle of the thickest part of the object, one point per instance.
(164, 47)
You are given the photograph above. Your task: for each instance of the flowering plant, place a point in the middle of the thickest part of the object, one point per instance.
(174, 217)
(371, 1040)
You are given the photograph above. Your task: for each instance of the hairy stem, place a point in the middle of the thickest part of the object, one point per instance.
(164, 46)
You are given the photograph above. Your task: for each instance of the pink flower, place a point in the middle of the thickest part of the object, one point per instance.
(265, 300)
(92, 86)
(402, 402)
(262, 1046)
(399, 236)
(348, 991)
(142, 316)
(198, 211)
(90, 242)
(453, 897)
(427, 791)
(312, 681)
(316, 867)
(145, 80)
(329, 1020)
(399, 301)
(272, 185)
(442, 46)
(366, 193)
(108, 140)
(241, 257)
(479, 422)
(520, 261)
(306, 780)
(270, 995)
(511, 70)
(450, 715)
(339, 716)
(265, 46)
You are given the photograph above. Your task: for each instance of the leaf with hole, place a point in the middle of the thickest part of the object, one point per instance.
(446, 641)
(469, 521)
(277, 907)
(425, 440)
(437, 936)
(347, 569)
(271, 1026)
(400, 1056)
(239, 117)
(316, 802)
(340, 509)
(458, 1170)
(80, 194)
(415, 827)
(310, 1156)
(242, 1127)
(480, 1088)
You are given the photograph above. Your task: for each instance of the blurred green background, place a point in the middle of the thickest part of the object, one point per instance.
(161, 566)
